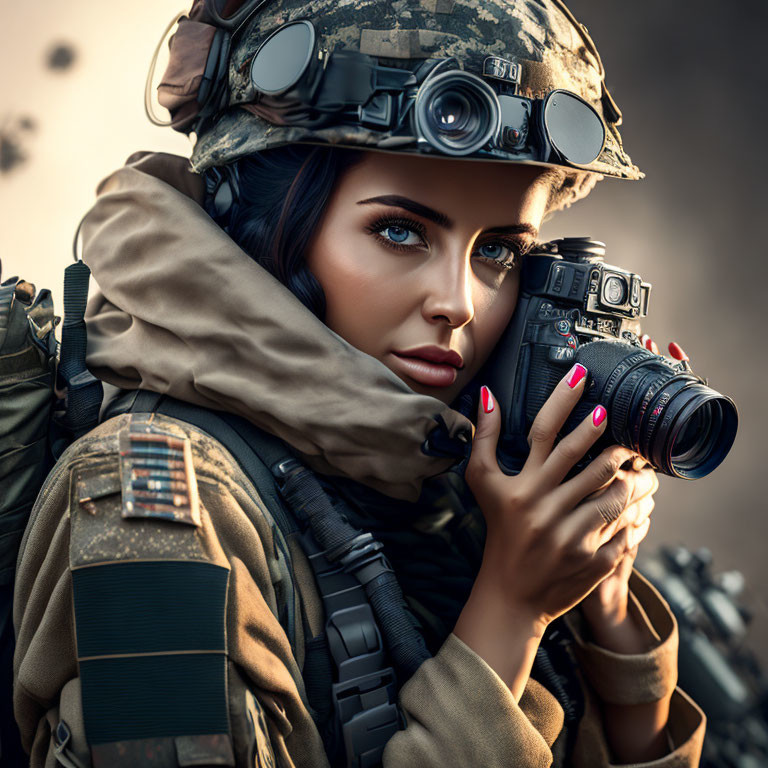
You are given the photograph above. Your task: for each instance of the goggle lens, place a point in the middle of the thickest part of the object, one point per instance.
(283, 58)
(574, 129)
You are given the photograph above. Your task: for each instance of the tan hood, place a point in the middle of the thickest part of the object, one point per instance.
(182, 310)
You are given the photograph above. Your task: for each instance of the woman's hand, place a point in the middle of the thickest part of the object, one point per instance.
(549, 542)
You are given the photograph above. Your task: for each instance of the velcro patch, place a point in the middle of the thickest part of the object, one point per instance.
(151, 648)
(157, 474)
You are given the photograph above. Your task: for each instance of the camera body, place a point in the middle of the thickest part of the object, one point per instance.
(573, 307)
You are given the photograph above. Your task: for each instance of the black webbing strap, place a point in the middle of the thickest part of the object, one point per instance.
(364, 696)
(350, 570)
(84, 390)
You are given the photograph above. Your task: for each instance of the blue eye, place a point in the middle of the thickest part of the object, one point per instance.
(494, 251)
(400, 235)
(502, 254)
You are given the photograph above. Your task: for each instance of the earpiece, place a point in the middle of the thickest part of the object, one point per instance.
(222, 184)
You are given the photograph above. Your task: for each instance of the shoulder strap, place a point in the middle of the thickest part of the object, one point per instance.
(84, 390)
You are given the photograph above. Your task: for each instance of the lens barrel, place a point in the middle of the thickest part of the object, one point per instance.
(670, 417)
(457, 113)
(697, 434)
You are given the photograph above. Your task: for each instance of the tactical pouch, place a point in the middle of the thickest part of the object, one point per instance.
(27, 363)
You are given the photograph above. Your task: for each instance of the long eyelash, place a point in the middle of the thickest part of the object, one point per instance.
(396, 221)
(518, 251)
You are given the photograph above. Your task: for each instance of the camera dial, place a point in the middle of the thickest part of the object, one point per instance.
(580, 249)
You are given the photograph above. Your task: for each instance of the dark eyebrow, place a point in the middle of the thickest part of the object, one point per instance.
(513, 229)
(407, 204)
(396, 201)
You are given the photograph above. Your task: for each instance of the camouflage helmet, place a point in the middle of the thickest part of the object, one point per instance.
(548, 50)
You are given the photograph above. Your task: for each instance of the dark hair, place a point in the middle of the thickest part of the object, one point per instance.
(283, 194)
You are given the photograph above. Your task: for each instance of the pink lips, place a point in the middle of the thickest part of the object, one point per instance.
(431, 366)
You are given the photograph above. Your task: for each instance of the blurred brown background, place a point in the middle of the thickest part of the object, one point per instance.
(690, 79)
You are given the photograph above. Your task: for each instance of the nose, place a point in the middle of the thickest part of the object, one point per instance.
(448, 297)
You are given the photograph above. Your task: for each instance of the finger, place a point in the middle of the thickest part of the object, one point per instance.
(640, 511)
(645, 482)
(554, 413)
(482, 459)
(625, 543)
(640, 463)
(596, 475)
(676, 351)
(633, 516)
(602, 515)
(596, 520)
(649, 343)
(609, 555)
(573, 447)
(637, 533)
(641, 482)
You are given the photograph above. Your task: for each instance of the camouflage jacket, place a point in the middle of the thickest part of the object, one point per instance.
(196, 599)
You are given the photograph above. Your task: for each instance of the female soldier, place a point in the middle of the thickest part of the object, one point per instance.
(166, 613)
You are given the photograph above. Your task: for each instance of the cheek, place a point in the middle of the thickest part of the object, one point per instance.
(493, 316)
(361, 287)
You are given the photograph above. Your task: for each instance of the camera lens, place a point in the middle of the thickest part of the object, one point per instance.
(683, 427)
(615, 290)
(687, 443)
(450, 112)
(456, 112)
(699, 436)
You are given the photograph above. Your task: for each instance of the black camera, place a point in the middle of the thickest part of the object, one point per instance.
(573, 307)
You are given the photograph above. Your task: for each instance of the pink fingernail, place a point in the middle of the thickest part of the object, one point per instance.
(598, 415)
(575, 375)
(677, 351)
(487, 398)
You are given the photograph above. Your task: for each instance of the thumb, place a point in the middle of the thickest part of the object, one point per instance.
(483, 456)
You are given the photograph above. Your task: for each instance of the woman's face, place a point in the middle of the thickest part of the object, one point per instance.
(419, 261)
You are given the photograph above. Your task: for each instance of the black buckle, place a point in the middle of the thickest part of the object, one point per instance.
(367, 708)
(365, 698)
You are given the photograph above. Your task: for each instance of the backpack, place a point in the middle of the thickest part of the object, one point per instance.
(27, 368)
(35, 427)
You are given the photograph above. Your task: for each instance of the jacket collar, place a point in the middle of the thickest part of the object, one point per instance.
(182, 310)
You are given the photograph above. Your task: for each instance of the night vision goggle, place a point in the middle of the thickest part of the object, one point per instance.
(438, 106)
